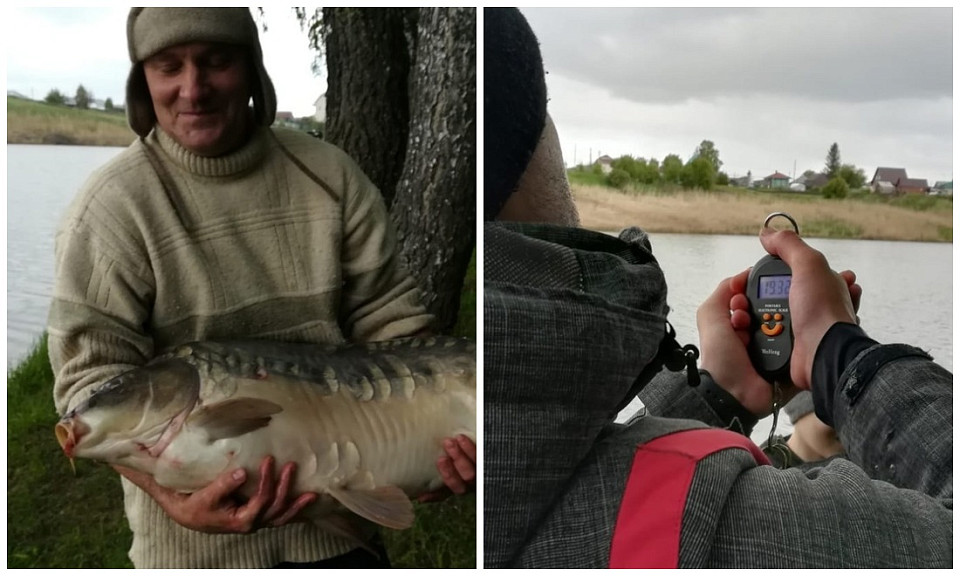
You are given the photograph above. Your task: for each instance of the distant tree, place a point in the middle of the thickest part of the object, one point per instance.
(626, 164)
(55, 97)
(723, 179)
(836, 188)
(654, 166)
(671, 169)
(809, 173)
(698, 173)
(853, 176)
(108, 105)
(832, 169)
(83, 98)
(618, 178)
(708, 150)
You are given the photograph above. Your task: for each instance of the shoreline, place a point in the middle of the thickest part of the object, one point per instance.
(742, 213)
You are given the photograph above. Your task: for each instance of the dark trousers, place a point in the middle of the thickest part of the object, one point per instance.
(357, 558)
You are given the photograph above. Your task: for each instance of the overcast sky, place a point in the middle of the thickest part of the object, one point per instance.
(769, 87)
(62, 48)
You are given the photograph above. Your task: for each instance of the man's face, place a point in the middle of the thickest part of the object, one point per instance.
(200, 93)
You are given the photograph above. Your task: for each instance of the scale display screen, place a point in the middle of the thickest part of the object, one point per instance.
(774, 287)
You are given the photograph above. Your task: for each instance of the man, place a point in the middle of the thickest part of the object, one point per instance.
(212, 225)
(573, 326)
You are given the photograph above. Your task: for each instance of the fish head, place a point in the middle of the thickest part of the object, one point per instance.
(123, 421)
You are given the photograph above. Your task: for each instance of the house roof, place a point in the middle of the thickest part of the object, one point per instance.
(284, 115)
(943, 184)
(888, 175)
(912, 183)
(604, 159)
(777, 176)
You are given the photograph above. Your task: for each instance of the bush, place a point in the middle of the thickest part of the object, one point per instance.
(618, 178)
(836, 188)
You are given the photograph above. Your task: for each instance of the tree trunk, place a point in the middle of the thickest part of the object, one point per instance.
(368, 65)
(435, 204)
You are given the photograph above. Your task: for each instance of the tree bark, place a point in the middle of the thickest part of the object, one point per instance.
(435, 204)
(368, 65)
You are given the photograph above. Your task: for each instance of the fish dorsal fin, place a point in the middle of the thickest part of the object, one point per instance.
(386, 505)
(234, 417)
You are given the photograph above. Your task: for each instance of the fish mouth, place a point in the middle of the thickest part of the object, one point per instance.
(69, 431)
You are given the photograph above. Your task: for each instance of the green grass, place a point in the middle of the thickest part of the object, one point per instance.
(831, 228)
(30, 122)
(586, 177)
(56, 519)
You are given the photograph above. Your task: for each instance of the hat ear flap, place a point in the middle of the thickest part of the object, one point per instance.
(140, 114)
(264, 96)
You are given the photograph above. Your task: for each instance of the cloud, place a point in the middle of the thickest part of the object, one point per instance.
(669, 55)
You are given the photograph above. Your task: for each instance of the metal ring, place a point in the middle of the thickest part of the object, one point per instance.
(796, 226)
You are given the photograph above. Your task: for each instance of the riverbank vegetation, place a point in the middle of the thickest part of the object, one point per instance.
(30, 122)
(56, 519)
(735, 210)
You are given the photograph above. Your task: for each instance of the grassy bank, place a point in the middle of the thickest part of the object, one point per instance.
(30, 122)
(741, 211)
(58, 520)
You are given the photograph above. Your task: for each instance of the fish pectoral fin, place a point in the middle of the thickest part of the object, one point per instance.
(387, 505)
(234, 417)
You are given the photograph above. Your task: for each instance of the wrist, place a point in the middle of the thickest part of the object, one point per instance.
(731, 413)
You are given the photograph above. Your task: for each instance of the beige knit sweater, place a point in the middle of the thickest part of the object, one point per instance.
(181, 248)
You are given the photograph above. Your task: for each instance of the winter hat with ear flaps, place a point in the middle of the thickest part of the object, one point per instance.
(514, 103)
(150, 30)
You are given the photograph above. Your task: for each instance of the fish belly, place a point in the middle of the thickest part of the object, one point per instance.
(337, 440)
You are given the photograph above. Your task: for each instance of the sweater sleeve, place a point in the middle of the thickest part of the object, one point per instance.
(100, 305)
(380, 299)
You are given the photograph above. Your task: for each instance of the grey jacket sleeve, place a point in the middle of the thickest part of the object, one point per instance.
(890, 505)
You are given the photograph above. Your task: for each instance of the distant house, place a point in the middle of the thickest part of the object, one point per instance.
(606, 163)
(320, 108)
(942, 188)
(885, 180)
(15, 94)
(817, 181)
(912, 186)
(286, 119)
(777, 181)
(743, 182)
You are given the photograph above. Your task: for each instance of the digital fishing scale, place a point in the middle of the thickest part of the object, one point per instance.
(771, 338)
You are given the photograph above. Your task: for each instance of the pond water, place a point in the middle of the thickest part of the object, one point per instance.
(41, 182)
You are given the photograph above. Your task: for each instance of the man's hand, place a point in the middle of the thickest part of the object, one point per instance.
(723, 348)
(812, 440)
(218, 508)
(819, 298)
(457, 468)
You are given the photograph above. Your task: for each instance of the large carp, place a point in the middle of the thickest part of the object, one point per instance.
(364, 422)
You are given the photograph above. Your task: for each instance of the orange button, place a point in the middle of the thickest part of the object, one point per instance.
(775, 331)
(778, 317)
(766, 317)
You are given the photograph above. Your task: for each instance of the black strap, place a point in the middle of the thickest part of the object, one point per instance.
(733, 415)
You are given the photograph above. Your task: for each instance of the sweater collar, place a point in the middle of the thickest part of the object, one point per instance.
(241, 160)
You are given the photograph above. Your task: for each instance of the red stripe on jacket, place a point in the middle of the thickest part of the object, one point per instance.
(647, 532)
